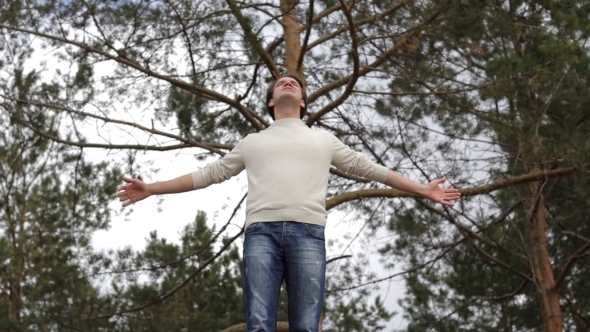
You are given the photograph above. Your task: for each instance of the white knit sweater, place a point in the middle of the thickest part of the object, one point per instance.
(288, 166)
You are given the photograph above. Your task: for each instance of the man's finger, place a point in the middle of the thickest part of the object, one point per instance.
(130, 180)
(441, 180)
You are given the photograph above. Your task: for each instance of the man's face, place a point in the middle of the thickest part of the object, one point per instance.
(287, 89)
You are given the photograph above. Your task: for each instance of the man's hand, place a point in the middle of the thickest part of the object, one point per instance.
(441, 195)
(431, 190)
(135, 190)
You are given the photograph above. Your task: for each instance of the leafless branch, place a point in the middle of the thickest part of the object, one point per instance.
(432, 92)
(192, 254)
(488, 299)
(466, 192)
(186, 40)
(410, 270)
(466, 231)
(499, 262)
(359, 23)
(331, 260)
(251, 38)
(570, 264)
(576, 235)
(403, 41)
(355, 72)
(226, 245)
(207, 93)
(186, 141)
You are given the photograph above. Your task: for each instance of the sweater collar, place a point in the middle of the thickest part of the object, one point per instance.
(286, 121)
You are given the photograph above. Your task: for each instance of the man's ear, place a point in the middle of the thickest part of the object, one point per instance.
(302, 104)
(271, 103)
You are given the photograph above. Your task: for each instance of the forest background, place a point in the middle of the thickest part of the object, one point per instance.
(494, 95)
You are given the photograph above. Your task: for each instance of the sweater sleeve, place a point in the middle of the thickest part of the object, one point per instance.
(220, 170)
(356, 163)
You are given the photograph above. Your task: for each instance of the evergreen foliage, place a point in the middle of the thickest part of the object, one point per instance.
(491, 94)
(53, 199)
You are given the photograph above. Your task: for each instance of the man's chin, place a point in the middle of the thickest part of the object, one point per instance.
(287, 99)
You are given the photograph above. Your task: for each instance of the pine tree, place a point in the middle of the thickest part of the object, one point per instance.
(211, 301)
(513, 75)
(490, 94)
(52, 200)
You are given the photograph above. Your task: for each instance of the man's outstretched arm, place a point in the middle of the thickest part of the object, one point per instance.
(135, 190)
(431, 190)
(220, 170)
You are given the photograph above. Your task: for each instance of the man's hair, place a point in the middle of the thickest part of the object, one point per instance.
(271, 89)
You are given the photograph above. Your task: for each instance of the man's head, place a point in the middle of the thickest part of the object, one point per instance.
(287, 90)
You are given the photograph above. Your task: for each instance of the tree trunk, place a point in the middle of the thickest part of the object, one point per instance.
(292, 40)
(15, 275)
(580, 322)
(14, 302)
(541, 262)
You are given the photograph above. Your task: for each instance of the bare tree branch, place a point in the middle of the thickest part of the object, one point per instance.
(410, 270)
(466, 192)
(355, 71)
(226, 245)
(331, 260)
(466, 231)
(251, 38)
(488, 299)
(186, 141)
(187, 256)
(570, 264)
(499, 262)
(359, 23)
(403, 41)
(187, 39)
(576, 235)
(433, 91)
(207, 93)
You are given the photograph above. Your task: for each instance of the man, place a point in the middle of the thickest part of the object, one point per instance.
(288, 167)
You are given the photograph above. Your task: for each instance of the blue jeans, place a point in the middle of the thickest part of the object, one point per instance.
(292, 251)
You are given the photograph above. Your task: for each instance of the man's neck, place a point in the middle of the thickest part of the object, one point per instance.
(286, 114)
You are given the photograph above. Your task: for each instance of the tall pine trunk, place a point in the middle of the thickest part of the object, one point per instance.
(540, 259)
(292, 39)
(15, 301)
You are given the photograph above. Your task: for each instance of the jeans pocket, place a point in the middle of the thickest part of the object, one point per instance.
(252, 227)
(316, 231)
